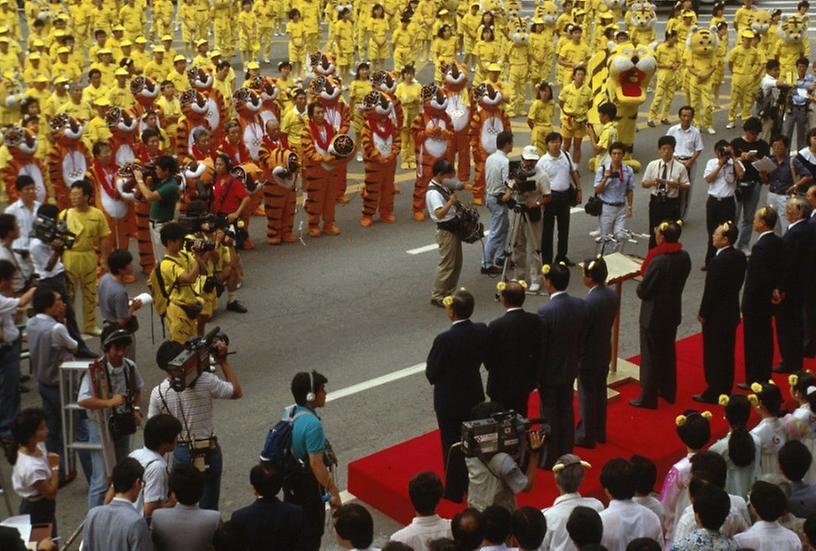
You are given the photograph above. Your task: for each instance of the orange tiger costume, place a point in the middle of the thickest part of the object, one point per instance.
(145, 91)
(68, 159)
(194, 111)
(432, 131)
(322, 64)
(22, 145)
(280, 166)
(141, 209)
(385, 82)
(487, 122)
(459, 110)
(202, 82)
(268, 92)
(329, 93)
(380, 140)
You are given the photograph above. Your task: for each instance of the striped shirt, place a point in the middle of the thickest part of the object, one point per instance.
(196, 408)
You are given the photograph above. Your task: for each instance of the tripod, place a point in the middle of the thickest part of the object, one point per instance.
(519, 222)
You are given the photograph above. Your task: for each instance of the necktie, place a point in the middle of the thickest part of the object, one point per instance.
(665, 168)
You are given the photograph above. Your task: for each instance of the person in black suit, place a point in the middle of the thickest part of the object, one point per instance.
(810, 302)
(665, 271)
(794, 285)
(563, 333)
(761, 279)
(268, 523)
(513, 351)
(602, 307)
(453, 369)
(719, 312)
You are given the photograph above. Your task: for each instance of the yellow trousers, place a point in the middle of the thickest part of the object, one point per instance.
(743, 88)
(702, 100)
(663, 94)
(180, 328)
(80, 267)
(518, 82)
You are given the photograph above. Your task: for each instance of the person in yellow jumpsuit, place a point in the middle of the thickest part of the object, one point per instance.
(343, 36)
(487, 51)
(378, 37)
(178, 76)
(180, 270)
(669, 57)
(721, 56)
(280, 13)
(470, 26)
(96, 129)
(221, 24)
(294, 119)
(159, 67)
(404, 40)
(133, 19)
(163, 12)
(359, 88)
(518, 57)
(9, 17)
(540, 116)
(296, 30)
(443, 50)
(34, 68)
(202, 58)
(170, 108)
(264, 12)
(541, 53)
(248, 38)
(139, 54)
(285, 84)
(91, 229)
(64, 66)
(605, 136)
(573, 53)
(9, 61)
(575, 100)
(746, 64)
(743, 15)
(188, 19)
(76, 106)
(310, 12)
(58, 99)
(94, 90)
(119, 94)
(105, 66)
(409, 93)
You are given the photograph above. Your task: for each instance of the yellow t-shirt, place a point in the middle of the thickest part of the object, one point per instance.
(121, 97)
(96, 131)
(157, 71)
(741, 17)
(574, 53)
(745, 61)
(576, 101)
(179, 80)
(171, 268)
(541, 112)
(292, 124)
(81, 110)
(91, 94)
(55, 104)
(90, 227)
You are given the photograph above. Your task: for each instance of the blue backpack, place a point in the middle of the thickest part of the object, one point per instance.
(277, 449)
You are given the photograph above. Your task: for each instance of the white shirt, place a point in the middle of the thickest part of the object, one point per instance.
(558, 170)
(768, 85)
(726, 182)
(497, 171)
(557, 538)
(651, 503)
(422, 531)
(25, 219)
(156, 485)
(196, 406)
(8, 329)
(30, 470)
(624, 521)
(675, 172)
(768, 536)
(738, 520)
(689, 141)
(40, 255)
(435, 200)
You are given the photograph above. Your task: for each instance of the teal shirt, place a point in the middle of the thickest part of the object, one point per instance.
(164, 209)
(307, 434)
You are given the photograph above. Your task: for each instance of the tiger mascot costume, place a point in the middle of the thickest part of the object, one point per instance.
(269, 94)
(791, 44)
(459, 110)
(280, 165)
(385, 83)
(145, 91)
(642, 21)
(202, 82)
(247, 107)
(124, 129)
(68, 159)
(487, 122)
(197, 164)
(518, 59)
(432, 131)
(329, 93)
(322, 64)
(22, 147)
(380, 140)
(111, 199)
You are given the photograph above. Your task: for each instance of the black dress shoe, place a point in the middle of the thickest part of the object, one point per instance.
(235, 306)
(641, 404)
(703, 399)
(583, 444)
(491, 270)
(743, 386)
(437, 302)
(782, 369)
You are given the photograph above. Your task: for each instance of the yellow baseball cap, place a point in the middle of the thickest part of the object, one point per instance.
(102, 102)
(4, 29)
(34, 55)
(41, 78)
(38, 43)
(494, 67)
(59, 33)
(747, 34)
(538, 21)
(140, 40)
(159, 49)
(607, 15)
(3, 2)
(4, 39)
(63, 50)
(179, 57)
(118, 28)
(576, 13)
(166, 37)
(121, 72)
(60, 17)
(443, 11)
(125, 42)
(200, 41)
(688, 13)
(104, 51)
(60, 80)
(215, 53)
(253, 65)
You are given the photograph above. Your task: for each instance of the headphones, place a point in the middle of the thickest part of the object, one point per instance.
(120, 336)
(311, 396)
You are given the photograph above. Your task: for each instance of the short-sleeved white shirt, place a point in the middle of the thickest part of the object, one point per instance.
(30, 470)
(436, 200)
(156, 485)
(726, 182)
(40, 255)
(195, 411)
(558, 171)
(688, 141)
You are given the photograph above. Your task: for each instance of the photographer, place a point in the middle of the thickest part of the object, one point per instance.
(179, 270)
(497, 172)
(193, 406)
(747, 149)
(615, 184)
(496, 480)
(24, 210)
(720, 175)
(118, 394)
(532, 189)
(665, 177)
(229, 198)
(781, 180)
(163, 198)
(440, 199)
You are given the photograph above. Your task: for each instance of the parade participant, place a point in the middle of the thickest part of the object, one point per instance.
(377, 28)
(770, 432)
(573, 54)
(607, 135)
(294, 119)
(281, 165)
(115, 204)
(432, 131)
(296, 30)
(487, 122)
(244, 136)
(409, 93)
(193, 136)
(575, 100)
(97, 128)
(170, 107)
(328, 92)
(486, 52)
(359, 88)
(460, 110)
(745, 64)
(668, 56)
(540, 116)
(22, 147)
(701, 63)
(380, 142)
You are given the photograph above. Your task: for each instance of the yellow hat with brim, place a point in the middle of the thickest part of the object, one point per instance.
(200, 41)
(494, 67)
(607, 15)
(253, 65)
(59, 33)
(747, 34)
(63, 50)
(443, 11)
(41, 78)
(118, 28)
(102, 102)
(166, 37)
(34, 55)
(4, 29)
(104, 51)
(38, 44)
(576, 13)
(179, 57)
(121, 72)
(140, 40)
(125, 42)
(4, 39)
(60, 80)
(159, 49)
(3, 2)
(688, 13)
(538, 21)
(215, 53)
(60, 17)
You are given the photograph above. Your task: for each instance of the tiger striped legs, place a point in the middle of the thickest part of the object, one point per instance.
(279, 204)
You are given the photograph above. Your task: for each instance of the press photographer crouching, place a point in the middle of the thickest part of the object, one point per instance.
(187, 394)
(494, 464)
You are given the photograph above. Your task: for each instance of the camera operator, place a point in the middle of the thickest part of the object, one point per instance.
(747, 149)
(179, 270)
(193, 406)
(720, 175)
(163, 198)
(24, 210)
(615, 184)
(665, 176)
(441, 198)
(532, 192)
(497, 172)
(496, 480)
(229, 198)
(118, 394)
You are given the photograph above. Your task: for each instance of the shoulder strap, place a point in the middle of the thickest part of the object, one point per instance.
(160, 278)
(569, 159)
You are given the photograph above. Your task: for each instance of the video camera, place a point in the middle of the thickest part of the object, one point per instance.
(519, 178)
(505, 432)
(49, 230)
(194, 359)
(198, 245)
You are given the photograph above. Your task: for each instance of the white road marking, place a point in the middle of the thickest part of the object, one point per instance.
(425, 249)
(376, 381)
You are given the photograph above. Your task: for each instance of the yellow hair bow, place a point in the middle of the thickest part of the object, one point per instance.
(523, 284)
(545, 269)
(706, 415)
(723, 400)
(753, 399)
(793, 379)
(448, 301)
(501, 286)
(680, 420)
(756, 388)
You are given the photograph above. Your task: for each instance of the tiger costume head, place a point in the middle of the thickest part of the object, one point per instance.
(513, 10)
(759, 21)
(433, 98)
(792, 30)
(65, 130)
(326, 90)
(642, 16)
(10, 88)
(322, 64)
(548, 12)
(265, 87)
(144, 89)
(521, 32)
(200, 79)
(384, 82)
(702, 42)
(246, 102)
(630, 71)
(121, 121)
(377, 105)
(21, 143)
(487, 97)
(612, 5)
(454, 77)
(194, 105)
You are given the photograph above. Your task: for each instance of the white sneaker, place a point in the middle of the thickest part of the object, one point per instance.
(712, 131)
(535, 287)
(730, 124)
(595, 233)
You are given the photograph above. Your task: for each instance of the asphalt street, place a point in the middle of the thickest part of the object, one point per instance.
(356, 307)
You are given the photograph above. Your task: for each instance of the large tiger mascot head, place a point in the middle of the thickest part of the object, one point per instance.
(487, 97)
(547, 11)
(322, 64)
(384, 82)
(520, 32)
(326, 90)
(702, 42)
(144, 90)
(124, 127)
(266, 88)
(759, 21)
(246, 103)
(21, 143)
(642, 16)
(65, 130)
(454, 77)
(194, 106)
(200, 79)
(377, 106)
(792, 30)
(433, 98)
(630, 71)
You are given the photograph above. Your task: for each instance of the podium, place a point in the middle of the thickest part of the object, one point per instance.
(621, 268)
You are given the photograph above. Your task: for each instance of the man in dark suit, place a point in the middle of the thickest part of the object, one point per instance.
(453, 369)
(563, 333)
(795, 284)
(513, 351)
(810, 302)
(602, 307)
(665, 271)
(268, 523)
(761, 279)
(719, 312)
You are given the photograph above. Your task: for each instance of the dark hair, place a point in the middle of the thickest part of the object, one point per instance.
(7, 224)
(172, 231)
(399, 546)
(85, 186)
(780, 138)
(671, 232)
(303, 383)
(794, 460)
(559, 276)
(23, 429)
(118, 259)
(513, 294)
(768, 500)
(22, 181)
(596, 269)
(439, 544)
(804, 381)
(267, 479)
(737, 413)
(161, 429)
(643, 544)
(186, 483)
(125, 474)
(803, 61)
(148, 133)
(695, 432)
(312, 106)
(686, 108)
(166, 352)
(425, 490)
(584, 526)
(731, 232)
(710, 467)
(617, 146)
(644, 474)
(553, 137)
(769, 216)
(504, 138)
(712, 504)
(353, 522)
(617, 478)
(772, 64)
(496, 524)
(167, 164)
(97, 147)
(93, 72)
(770, 398)
(442, 166)
(44, 298)
(609, 109)
(529, 527)
(753, 124)
(579, 68)
(48, 210)
(463, 303)
(7, 269)
(666, 140)
(466, 528)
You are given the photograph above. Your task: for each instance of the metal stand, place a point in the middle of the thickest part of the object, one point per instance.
(518, 221)
(604, 241)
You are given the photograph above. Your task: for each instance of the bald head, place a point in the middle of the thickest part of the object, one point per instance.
(513, 295)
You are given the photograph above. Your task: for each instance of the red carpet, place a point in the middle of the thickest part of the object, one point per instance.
(381, 479)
